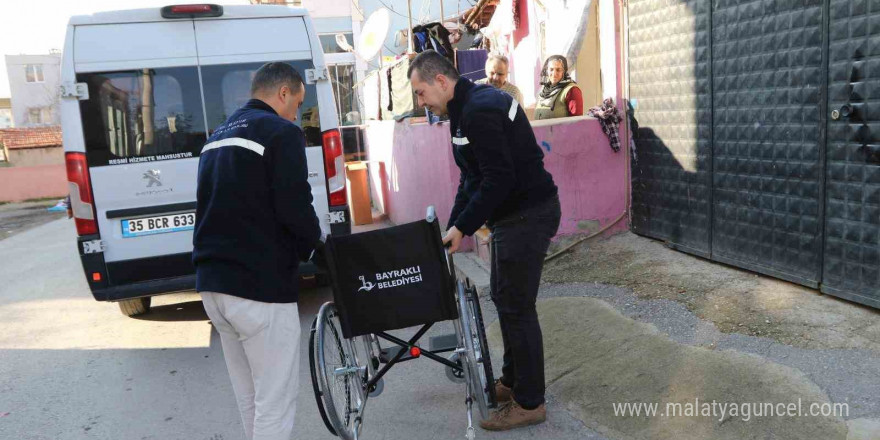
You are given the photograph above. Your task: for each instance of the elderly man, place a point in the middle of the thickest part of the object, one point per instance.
(496, 75)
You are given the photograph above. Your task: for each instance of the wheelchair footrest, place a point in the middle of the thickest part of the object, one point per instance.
(443, 343)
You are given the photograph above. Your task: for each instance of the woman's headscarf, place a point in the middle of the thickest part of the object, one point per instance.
(551, 90)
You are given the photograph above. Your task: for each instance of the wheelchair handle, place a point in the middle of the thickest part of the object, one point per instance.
(450, 264)
(430, 216)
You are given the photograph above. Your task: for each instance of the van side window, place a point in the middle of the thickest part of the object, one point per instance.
(228, 87)
(142, 115)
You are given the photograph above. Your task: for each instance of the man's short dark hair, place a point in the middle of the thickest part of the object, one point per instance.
(430, 64)
(273, 76)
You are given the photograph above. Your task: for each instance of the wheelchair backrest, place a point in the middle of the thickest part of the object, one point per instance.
(391, 278)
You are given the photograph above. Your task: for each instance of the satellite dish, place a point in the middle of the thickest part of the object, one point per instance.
(373, 34)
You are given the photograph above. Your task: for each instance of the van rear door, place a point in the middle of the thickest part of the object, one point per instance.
(229, 64)
(144, 126)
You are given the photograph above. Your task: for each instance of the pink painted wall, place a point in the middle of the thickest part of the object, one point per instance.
(22, 183)
(411, 168)
(591, 177)
(419, 170)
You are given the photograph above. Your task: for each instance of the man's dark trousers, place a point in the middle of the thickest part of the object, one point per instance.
(519, 246)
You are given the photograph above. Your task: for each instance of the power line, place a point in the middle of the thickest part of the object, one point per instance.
(422, 19)
(360, 11)
(392, 9)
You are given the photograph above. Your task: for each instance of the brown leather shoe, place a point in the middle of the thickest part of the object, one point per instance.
(510, 415)
(503, 393)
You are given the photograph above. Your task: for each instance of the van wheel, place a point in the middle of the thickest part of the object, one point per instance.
(135, 306)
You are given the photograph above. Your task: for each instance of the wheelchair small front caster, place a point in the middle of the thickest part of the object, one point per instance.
(455, 375)
(378, 388)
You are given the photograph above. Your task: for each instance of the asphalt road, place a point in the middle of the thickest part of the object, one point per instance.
(74, 368)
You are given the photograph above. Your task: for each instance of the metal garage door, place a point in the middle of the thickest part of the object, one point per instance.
(670, 86)
(852, 246)
(732, 160)
(768, 77)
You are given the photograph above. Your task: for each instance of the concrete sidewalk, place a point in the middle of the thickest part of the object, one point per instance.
(628, 321)
(661, 327)
(598, 357)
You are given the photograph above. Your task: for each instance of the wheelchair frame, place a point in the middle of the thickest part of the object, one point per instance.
(359, 359)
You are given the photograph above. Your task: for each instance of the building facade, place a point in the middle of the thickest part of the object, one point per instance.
(33, 83)
(6, 113)
(30, 147)
(332, 18)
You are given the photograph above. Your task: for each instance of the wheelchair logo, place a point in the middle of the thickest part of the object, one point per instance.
(367, 286)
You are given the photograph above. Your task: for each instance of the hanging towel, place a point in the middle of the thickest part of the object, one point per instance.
(471, 64)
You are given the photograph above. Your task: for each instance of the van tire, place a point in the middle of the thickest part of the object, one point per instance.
(135, 306)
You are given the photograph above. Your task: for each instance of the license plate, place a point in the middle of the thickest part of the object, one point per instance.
(336, 217)
(158, 225)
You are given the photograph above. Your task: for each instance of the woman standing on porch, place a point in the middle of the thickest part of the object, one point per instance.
(560, 97)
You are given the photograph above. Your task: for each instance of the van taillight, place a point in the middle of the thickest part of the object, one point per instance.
(334, 167)
(80, 187)
(192, 11)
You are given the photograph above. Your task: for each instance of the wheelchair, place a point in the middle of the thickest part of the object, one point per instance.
(385, 280)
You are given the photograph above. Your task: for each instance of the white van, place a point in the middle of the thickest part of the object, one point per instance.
(142, 90)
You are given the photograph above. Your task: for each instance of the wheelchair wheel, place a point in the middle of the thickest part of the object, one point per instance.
(476, 355)
(340, 391)
(316, 384)
(481, 347)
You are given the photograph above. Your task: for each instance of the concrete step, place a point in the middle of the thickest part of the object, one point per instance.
(469, 266)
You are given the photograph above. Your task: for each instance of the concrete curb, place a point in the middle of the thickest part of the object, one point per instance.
(470, 267)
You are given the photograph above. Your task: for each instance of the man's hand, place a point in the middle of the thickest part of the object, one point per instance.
(453, 237)
(319, 257)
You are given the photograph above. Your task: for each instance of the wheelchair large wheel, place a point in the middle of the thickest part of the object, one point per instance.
(340, 391)
(476, 353)
(316, 384)
(481, 347)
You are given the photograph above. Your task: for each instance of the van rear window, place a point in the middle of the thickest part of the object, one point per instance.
(228, 87)
(142, 115)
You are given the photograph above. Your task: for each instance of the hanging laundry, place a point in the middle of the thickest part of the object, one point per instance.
(390, 90)
(432, 36)
(471, 64)
(609, 119)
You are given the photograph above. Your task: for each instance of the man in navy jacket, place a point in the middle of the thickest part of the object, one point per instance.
(503, 183)
(254, 223)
